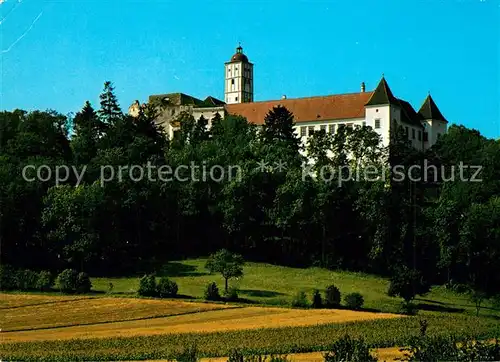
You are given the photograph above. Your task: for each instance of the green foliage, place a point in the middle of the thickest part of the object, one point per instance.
(167, 288)
(45, 281)
(349, 349)
(7, 278)
(231, 295)
(317, 301)
(300, 300)
(238, 356)
(226, 263)
(408, 308)
(189, 354)
(67, 281)
(407, 283)
(450, 348)
(332, 296)
(212, 292)
(147, 286)
(26, 279)
(354, 301)
(83, 283)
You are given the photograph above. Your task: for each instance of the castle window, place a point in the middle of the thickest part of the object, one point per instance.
(420, 135)
(232, 81)
(323, 127)
(310, 130)
(303, 131)
(331, 128)
(236, 99)
(426, 137)
(413, 133)
(377, 123)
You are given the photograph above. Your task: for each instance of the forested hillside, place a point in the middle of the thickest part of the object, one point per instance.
(260, 200)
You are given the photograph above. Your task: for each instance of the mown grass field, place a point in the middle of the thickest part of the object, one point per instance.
(276, 285)
(93, 311)
(112, 326)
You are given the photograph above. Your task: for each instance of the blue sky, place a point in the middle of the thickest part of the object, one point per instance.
(57, 54)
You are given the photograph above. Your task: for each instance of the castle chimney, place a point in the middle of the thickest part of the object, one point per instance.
(283, 96)
(363, 87)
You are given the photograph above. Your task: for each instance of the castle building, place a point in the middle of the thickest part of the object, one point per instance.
(378, 109)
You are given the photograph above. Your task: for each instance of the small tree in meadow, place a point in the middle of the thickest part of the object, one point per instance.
(212, 292)
(83, 283)
(167, 288)
(229, 265)
(332, 296)
(354, 301)
(407, 284)
(317, 301)
(147, 286)
(67, 280)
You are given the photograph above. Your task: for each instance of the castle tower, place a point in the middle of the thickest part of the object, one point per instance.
(238, 85)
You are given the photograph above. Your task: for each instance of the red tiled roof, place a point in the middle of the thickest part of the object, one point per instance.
(340, 106)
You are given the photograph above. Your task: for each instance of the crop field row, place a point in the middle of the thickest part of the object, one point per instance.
(183, 318)
(95, 311)
(378, 333)
(15, 300)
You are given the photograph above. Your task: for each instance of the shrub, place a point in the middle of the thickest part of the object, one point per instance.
(66, 280)
(231, 295)
(349, 349)
(189, 354)
(450, 349)
(354, 300)
(300, 300)
(332, 296)
(212, 292)
(238, 356)
(166, 288)
(83, 283)
(45, 281)
(7, 278)
(408, 308)
(147, 286)
(26, 279)
(317, 301)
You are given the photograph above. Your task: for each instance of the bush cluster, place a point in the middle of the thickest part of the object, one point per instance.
(24, 279)
(349, 349)
(165, 288)
(70, 281)
(212, 292)
(332, 298)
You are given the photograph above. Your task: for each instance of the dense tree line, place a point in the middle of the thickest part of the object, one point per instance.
(274, 209)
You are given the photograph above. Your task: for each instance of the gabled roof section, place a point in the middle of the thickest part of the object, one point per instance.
(382, 95)
(175, 99)
(212, 102)
(409, 115)
(430, 110)
(310, 109)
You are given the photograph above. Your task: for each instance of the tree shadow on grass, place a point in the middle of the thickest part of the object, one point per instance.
(439, 308)
(176, 269)
(430, 301)
(260, 293)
